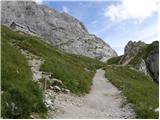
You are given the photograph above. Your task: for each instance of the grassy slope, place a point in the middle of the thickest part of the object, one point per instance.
(114, 60)
(67, 67)
(139, 89)
(17, 79)
(17, 84)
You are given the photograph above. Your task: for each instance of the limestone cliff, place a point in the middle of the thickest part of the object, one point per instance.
(60, 29)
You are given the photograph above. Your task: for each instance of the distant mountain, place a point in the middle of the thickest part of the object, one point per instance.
(59, 29)
(143, 57)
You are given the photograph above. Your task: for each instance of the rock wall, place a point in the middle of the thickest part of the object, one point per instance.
(149, 58)
(59, 29)
(131, 50)
(152, 63)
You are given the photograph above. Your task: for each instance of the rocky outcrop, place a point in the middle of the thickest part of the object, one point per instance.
(142, 67)
(131, 50)
(59, 29)
(152, 62)
(143, 57)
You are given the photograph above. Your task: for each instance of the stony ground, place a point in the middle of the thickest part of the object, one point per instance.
(103, 101)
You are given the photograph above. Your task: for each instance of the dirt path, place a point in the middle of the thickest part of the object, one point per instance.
(103, 101)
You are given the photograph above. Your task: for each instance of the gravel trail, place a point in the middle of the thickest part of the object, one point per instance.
(103, 101)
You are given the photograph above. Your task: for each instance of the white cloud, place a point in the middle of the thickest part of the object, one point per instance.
(38, 1)
(65, 9)
(137, 10)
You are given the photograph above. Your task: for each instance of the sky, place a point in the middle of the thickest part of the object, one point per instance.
(114, 21)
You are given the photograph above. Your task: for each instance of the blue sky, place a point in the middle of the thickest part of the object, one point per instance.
(116, 21)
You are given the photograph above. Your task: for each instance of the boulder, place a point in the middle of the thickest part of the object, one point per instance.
(67, 91)
(131, 50)
(142, 67)
(56, 89)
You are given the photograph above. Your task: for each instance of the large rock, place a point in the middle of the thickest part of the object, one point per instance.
(148, 55)
(142, 67)
(131, 50)
(152, 62)
(59, 29)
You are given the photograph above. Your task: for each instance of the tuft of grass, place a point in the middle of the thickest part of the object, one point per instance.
(114, 60)
(138, 88)
(21, 96)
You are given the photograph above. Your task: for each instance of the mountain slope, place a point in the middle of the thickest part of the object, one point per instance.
(59, 29)
(143, 57)
(20, 95)
(76, 73)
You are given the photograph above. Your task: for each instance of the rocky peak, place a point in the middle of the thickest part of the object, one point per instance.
(59, 29)
(148, 60)
(133, 46)
(131, 50)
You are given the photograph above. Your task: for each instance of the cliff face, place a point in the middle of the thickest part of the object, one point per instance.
(59, 29)
(131, 50)
(152, 62)
(143, 57)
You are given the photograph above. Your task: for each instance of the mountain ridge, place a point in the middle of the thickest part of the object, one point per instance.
(59, 29)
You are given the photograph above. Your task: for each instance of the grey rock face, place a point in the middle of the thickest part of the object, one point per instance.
(59, 29)
(149, 63)
(152, 62)
(142, 67)
(131, 50)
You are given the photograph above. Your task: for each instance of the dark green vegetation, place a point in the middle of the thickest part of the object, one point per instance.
(144, 53)
(114, 60)
(138, 88)
(21, 95)
(76, 73)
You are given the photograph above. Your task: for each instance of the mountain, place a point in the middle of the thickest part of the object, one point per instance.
(59, 29)
(143, 57)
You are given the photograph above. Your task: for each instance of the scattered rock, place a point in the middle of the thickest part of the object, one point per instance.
(51, 87)
(56, 89)
(65, 91)
(56, 82)
(48, 102)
